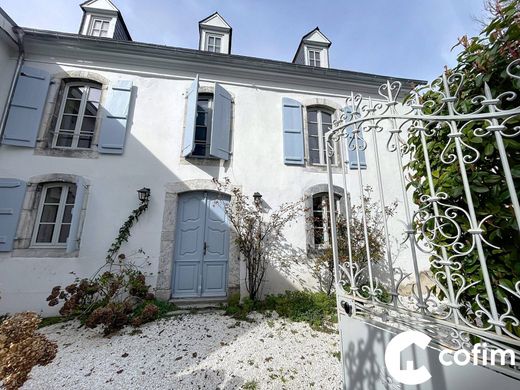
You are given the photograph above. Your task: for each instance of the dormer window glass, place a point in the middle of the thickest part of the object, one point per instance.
(99, 27)
(214, 43)
(314, 58)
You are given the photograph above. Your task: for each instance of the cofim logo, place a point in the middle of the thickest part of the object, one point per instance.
(415, 376)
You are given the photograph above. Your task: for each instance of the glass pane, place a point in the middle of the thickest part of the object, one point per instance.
(318, 236)
(76, 92)
(72, 106)
(103, 34)
(201, 119)
(313, 128)
(53, 195)
(45, 233)
(312, 116)
(97, 24)
(67, 214)
(91, 108)
(202, 105)
(200, 150)
(88, 124)
(64, 233)
(314, 156)
(313, 142)
(49, 213)
(64, 140)
(94, 94)
(71, 195)
(201, 133)
(317, 203)
(85, 142)
(326, 118)
(68, 122)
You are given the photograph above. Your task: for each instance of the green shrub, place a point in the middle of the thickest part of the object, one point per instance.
(318, 309)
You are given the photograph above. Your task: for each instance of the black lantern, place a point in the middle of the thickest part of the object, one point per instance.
(257, 196)
(144, 194)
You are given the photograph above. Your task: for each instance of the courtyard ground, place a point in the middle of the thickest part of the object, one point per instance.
(193, 351)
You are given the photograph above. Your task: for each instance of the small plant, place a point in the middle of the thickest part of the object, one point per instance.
(22, 348)
(239, 310)
(250, 385)
(257, 232)
(324, 265)
(117, 294)
(316, 308)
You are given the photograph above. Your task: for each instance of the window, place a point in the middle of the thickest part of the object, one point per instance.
(319, 123)
(203, 126)
(321, 217)
(77, 115)
(99, 27)
(213, 43)
(314, 58)
(54, 215)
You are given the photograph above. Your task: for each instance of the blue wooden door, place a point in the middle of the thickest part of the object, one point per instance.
(201, 246)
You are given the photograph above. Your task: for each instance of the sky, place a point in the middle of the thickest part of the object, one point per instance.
(400, 38)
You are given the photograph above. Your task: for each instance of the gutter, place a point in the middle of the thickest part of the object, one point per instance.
(19, 62)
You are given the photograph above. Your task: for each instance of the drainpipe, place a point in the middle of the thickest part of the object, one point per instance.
(21, 56)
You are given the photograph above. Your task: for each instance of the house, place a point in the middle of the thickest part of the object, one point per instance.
(94, 116)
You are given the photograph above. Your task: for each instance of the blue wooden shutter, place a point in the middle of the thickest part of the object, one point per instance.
(12, 193)
(73, 239)
(191, 116)
(292, 132)
(26, 109)
(112, 132)
(221, 123)
(352, 154)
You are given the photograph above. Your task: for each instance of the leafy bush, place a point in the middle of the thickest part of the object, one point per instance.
(318, 309)
(22, 348)
(324, 264)
(483, 59)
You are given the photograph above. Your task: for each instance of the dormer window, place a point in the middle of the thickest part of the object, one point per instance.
(314, 57)
(313, 50)
(214, 43)
(99, 27)
(215, 34)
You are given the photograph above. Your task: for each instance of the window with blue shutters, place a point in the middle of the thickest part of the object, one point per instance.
(207, 129)
(77, 115)
(319, 122)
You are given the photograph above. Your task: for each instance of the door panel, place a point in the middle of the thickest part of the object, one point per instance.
(201, 246)
(189, 244)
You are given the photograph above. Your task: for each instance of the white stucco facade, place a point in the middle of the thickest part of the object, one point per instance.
(152, 156)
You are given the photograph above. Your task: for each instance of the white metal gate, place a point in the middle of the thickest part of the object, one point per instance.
(384, 125)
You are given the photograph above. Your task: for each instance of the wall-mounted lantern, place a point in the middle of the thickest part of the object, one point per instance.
(257, 196)
(144, 194)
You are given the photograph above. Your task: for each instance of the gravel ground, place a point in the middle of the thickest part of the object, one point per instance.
(193, 351)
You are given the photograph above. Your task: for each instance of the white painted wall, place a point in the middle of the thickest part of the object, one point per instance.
(152, 159)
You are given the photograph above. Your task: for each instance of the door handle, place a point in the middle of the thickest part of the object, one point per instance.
(205, 247)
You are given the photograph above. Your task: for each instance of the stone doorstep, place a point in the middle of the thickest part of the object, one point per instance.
(199, 303)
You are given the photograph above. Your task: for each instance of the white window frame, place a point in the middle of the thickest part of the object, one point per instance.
(209, 125)
(93, 20)
(316, 55)
(79, 123)
(321, 138)
(59, 216)
(325, 217)
(215, 37)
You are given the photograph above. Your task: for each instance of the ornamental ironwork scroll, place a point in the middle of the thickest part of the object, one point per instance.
(432, 223)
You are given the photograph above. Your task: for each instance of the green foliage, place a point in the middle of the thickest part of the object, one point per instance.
(483, 59)
(239, 310)
(316, 308)
(324, 264)
(116, 295)
(250, 385)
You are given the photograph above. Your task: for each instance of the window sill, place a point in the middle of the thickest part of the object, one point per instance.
(72, 153)
(193, 160)
(44, 253)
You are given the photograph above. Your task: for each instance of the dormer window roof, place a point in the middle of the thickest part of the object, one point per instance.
(215, 34)
(101, 18)
(313, 50)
